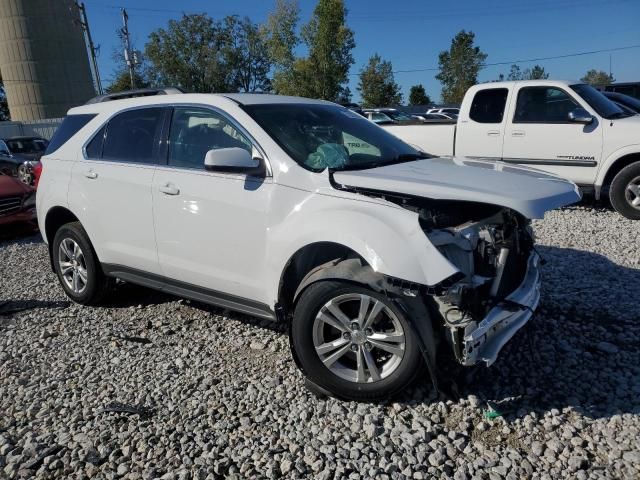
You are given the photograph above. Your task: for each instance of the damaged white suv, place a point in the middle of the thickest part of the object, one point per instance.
(304, 212)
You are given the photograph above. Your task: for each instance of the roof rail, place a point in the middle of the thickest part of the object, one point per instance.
(140, 92)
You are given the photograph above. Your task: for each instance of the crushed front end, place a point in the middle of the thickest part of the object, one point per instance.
(498, 287)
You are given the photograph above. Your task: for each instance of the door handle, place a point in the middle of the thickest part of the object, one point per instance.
(493, 133)
(169, 189)
(91, 174)
(518, 133)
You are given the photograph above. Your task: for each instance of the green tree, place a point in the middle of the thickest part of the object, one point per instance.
(246, 55)
(280, 33)
(597, 77)
(122, 82)
(324, 72)
(459, 67)
(377, 86)
(535, 73)
(4, 105)
(189, 54)
(418, 95)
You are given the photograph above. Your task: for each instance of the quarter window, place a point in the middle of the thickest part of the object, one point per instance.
(488, 105)
(543, 105)
(94, 148)
(194, 131)
(67, 129)
(131, 136)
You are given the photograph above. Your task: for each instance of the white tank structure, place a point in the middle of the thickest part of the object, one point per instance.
(44, 61)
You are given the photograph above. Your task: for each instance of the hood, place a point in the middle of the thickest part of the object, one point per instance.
(525, 190)
(12, 187)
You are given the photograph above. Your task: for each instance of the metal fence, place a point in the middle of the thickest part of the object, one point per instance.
(41, 128)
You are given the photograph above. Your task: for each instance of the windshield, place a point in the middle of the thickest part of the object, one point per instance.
(398, 116)
(328, 136)
(601, 104)
(27, 145)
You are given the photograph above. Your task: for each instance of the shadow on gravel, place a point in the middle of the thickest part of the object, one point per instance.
(581, 350)
(9, 307)
(18, 232)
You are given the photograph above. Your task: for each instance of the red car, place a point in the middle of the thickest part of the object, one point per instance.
(17, 201)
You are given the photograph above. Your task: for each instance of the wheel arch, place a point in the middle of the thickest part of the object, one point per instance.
(56, 217)
(614, 164)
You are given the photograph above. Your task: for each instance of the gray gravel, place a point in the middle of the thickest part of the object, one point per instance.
(213, 394)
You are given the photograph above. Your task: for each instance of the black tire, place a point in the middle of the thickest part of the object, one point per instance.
(311, 301)
(618, 191)
(97, 285)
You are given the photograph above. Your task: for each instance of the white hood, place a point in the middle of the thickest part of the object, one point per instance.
(525, 190)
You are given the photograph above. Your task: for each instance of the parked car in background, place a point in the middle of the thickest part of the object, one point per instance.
(302, 211)
(624, 101)
(445, 110)
(569, 129)
(386, 116)
(19, 157)
(17, 201)
(435, 117)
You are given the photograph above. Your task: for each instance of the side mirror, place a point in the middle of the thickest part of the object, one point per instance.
(580, 115)
(233, 159)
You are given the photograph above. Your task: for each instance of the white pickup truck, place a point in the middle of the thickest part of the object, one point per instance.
(565, 128)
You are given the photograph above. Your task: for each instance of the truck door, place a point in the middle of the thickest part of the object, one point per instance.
(541, 135)
(480, 132)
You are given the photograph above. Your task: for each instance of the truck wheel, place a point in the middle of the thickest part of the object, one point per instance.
(625, 191)
(353, 341)
(77, 266)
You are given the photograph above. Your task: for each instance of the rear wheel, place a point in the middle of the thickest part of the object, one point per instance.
(77, 266)
(625, 191)
(353, 341)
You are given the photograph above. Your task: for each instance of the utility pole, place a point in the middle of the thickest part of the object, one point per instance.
(84, 23)
(129, 56)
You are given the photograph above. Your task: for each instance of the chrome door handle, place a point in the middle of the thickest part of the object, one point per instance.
(493, 133)
(518, 133)
(169, 189)
(91, 174)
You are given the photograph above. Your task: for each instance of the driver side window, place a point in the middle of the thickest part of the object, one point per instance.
(194, 131)
(543, 105)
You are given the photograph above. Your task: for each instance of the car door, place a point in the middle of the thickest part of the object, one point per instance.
(210, 225)
(540, 135)
(111, 189)
(481, 132)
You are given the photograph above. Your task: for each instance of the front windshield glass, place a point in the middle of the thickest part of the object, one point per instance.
(328, 136)
(601, 104)
(398, 116)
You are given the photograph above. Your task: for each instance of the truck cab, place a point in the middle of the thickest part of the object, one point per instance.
(565, 128)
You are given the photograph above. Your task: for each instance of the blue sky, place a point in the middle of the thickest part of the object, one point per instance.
(411, 33)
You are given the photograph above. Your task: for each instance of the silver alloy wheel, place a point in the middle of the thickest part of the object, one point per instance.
(632, 193)
(358, 338)
(72, 265)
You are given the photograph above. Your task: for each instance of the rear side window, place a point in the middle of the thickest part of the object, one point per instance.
(488, 105)
(67, 129)
(132, 136)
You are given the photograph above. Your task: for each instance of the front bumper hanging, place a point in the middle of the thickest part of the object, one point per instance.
(503, 321)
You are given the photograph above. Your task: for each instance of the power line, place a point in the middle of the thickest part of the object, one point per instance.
(511, 62)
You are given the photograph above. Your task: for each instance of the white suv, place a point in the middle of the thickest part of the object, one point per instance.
(304, 212)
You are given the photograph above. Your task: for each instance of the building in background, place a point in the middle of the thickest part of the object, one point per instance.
(43, 58)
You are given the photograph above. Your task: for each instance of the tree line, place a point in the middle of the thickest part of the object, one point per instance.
(235, 54)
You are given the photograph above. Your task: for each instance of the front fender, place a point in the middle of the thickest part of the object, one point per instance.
(613, 158)
(389, 238)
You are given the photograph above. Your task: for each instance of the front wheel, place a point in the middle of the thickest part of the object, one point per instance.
(625, 191)
(354, 342)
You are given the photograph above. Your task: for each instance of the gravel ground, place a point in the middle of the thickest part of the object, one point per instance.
(216, 394)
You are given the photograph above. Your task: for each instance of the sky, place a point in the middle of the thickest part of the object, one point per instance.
(411, 33)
